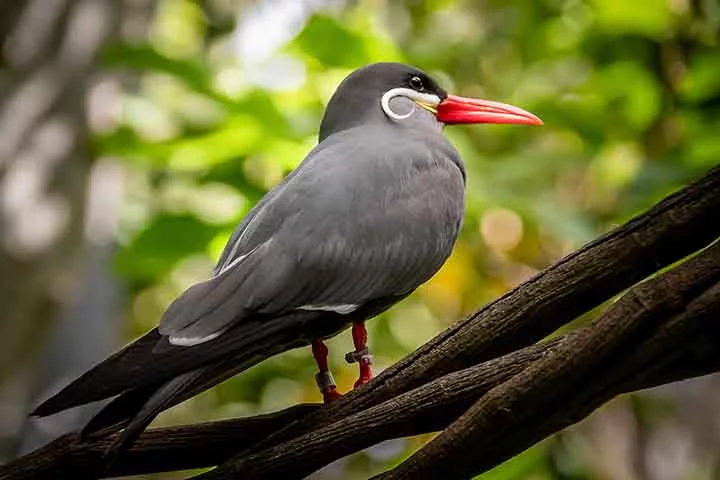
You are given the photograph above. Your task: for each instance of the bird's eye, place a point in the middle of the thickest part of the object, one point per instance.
(416, 83)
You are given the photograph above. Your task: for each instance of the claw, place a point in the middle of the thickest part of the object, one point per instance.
(330, 394)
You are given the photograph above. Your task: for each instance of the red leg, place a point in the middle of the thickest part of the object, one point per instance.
(360, 354)
(324, 379)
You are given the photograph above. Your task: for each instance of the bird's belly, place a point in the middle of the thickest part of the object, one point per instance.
(404, 241)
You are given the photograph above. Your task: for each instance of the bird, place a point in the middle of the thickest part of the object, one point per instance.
(370, 214)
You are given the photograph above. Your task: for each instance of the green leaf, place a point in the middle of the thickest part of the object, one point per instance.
(166, 240)
(651, 18)
(330, 43)
(195, 74)
(632, 92)
(261, 106)
(238, 136)
(702, 80)
(231, 173)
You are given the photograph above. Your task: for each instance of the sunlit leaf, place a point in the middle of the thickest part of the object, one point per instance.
(330, 43)
(144, 57)
(702, 79)
(648, 17)
(163, 243)
(632, 94)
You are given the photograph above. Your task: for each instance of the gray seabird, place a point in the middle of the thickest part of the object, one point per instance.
(370, 214)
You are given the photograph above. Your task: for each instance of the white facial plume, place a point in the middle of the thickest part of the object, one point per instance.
(425, 100)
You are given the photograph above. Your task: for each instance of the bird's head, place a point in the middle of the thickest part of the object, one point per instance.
(399, 93)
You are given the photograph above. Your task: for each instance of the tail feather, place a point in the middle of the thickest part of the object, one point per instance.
(125, 407)
(87, 388)
(142, 364)
(120, 411)
(157, 381)
(137, 408)
(158, 401)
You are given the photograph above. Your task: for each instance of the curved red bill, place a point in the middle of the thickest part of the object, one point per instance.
(454, 110)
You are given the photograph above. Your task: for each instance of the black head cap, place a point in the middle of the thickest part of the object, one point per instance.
(357, 99)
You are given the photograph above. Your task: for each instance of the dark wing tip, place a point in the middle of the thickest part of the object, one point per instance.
(110, 377)
(61, 401)
(44, 409)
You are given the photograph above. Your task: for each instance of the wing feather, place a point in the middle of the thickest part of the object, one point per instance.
(339, 231)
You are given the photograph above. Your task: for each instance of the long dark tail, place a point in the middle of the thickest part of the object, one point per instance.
(151, 360)
(142, 367)
(151, 379)
(126, 408)
(116, 370)
(137, 408)
(137, 419)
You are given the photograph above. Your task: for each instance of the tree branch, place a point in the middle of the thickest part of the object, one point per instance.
(580, 374)
(546, 375)
(677, 226)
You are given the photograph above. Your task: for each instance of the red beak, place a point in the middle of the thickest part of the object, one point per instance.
(455, 110)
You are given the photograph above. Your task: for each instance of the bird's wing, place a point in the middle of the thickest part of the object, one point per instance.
(140, 364)
(354, 223)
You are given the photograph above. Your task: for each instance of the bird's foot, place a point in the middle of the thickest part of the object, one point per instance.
(364, 359)
(330, 394)
(361, 354)
(365, 376)
(326, 384)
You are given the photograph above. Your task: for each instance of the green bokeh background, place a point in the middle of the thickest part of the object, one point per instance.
(630, 96)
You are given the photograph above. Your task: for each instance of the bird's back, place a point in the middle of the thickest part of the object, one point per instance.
(370, 212)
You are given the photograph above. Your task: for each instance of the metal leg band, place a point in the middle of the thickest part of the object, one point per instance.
(361, 356)
(324, 380)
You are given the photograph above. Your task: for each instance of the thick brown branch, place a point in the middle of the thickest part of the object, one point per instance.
(204, 445)
(580, 374)
(428, 408)
(574, 285)
(547, 418)
(677, 226)
(553, 375)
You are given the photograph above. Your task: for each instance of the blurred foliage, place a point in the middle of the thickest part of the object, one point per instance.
(229, 98)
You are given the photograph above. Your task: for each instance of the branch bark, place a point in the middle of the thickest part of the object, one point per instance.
(157, 450)
(532, 381)
(582, 373)
(659, 332)
(677, 226)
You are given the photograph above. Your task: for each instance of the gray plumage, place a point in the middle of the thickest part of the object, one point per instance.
(355, 223)
(369, 215)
